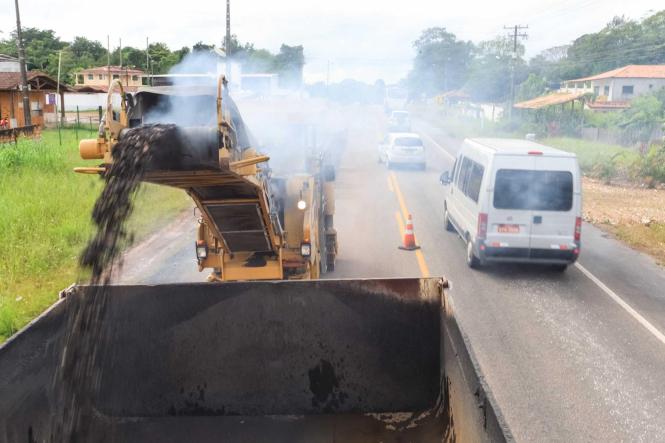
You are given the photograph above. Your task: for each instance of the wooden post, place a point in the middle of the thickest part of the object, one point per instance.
(57, 87)
(78, 122)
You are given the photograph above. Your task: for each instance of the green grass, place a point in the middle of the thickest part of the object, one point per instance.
(649, 239)
(590, 154)
(45, 222)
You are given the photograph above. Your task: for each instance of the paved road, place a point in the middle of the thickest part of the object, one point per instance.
(569, 357)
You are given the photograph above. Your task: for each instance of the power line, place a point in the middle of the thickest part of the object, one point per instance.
(610, 56)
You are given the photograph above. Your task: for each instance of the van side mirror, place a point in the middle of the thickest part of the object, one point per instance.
(445, 178)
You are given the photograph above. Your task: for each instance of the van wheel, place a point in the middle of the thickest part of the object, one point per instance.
(471, 260)
(446, 221)
(560, 268)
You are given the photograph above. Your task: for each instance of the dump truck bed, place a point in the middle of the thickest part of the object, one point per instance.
(310, 361)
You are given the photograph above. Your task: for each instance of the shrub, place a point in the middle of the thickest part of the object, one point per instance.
(651, 166)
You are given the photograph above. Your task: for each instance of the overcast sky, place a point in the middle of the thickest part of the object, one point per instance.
(363, 39)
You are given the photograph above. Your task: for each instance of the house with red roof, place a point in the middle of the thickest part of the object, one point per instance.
(615, 89)
(41, 91)
(97, 79)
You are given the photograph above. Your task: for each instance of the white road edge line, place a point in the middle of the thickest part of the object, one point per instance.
(636, 315)
(452, 157)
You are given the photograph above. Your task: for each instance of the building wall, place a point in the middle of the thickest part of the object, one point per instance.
(9, 66)
(101, 79)
(84, 101)
(640, 86)
(11, 105)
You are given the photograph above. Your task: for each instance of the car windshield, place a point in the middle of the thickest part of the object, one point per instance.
(408, 141)
(400, 115)
(533, 190)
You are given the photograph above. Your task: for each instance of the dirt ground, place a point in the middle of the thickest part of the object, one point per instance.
(633, 214)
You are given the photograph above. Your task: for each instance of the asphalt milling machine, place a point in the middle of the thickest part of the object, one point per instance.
(252, 356)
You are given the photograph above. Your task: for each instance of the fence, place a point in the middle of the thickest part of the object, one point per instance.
(11, 135)
(621, 137)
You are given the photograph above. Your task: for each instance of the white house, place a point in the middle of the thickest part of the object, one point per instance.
(619, 85)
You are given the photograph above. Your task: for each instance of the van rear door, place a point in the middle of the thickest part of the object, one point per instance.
(509, 218)
(555, 189)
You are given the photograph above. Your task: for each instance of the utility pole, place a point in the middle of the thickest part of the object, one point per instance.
(147, 62)
(57, 97)
(108, 61)
(227, 41)
(515, 34)
(27, 118)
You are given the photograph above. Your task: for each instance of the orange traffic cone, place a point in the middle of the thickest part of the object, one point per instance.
(409, 237)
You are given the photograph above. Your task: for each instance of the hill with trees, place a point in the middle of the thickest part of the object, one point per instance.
(443, 62)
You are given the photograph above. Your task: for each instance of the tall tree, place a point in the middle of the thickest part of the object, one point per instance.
(289, 63)
(91, 50)
(39, 44)
(489, 76)
(442, 62)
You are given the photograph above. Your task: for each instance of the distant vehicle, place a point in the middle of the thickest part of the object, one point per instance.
(399, 121)
(402, 148)
(515, 200)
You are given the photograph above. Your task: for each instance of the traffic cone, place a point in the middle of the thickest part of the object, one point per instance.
(409, 237)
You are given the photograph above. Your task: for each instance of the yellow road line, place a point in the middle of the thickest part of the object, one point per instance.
(424, 270)
(400, 223)
(400, 197)
(390, 184)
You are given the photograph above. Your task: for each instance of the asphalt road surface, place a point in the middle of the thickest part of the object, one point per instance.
(578, 356)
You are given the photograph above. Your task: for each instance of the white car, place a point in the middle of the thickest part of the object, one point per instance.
(515, 200)
(402, 148)
(399, 121)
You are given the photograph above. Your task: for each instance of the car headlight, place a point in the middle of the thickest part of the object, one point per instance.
(306, 249)
(201, 250)
(302, 205)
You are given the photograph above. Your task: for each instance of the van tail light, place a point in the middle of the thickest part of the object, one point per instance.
(578, 229)
(482, 226)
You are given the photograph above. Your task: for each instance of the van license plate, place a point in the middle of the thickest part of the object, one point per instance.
(509, 229)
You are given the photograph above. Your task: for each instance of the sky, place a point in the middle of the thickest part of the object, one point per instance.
(361, 39)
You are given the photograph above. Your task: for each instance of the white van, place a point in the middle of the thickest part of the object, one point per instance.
(515, 200)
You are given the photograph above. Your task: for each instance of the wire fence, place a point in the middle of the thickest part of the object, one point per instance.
(85, 124)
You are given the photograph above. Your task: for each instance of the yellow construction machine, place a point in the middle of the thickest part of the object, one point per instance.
(347, 360)
(253, 225)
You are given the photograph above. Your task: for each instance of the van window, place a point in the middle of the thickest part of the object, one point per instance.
(533, 190)
(475, 179)
(463, 174)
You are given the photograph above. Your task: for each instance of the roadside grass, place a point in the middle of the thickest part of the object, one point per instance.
(593, 156)
(598, 160)
(646, 238)
(45, 222)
